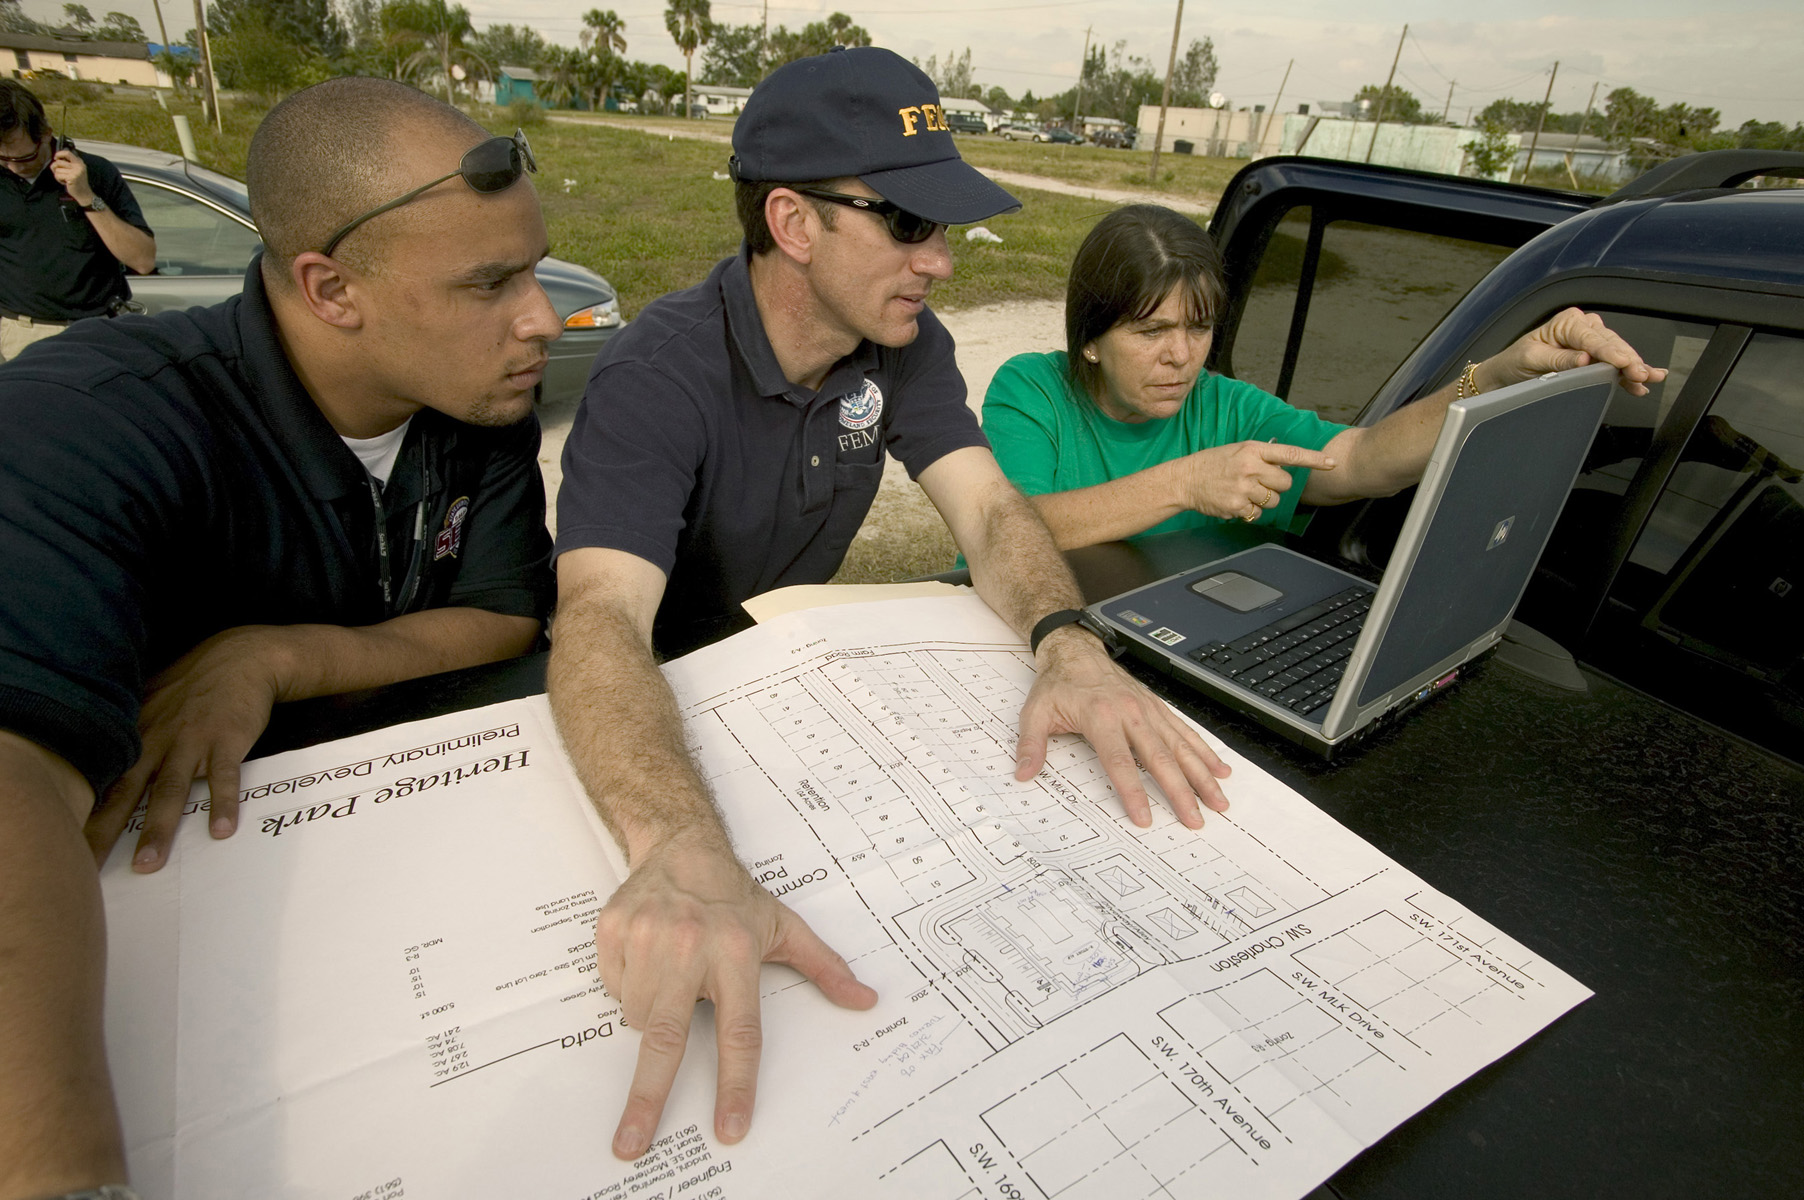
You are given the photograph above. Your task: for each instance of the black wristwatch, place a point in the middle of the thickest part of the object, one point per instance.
(99, 205)
(1073, 616)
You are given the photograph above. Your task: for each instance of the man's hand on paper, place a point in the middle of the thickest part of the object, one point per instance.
(691, 924)
(200, 718)
(1080, 689)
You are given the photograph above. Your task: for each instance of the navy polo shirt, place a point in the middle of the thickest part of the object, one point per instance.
(692, 451)
(165, 478)
(52, 263)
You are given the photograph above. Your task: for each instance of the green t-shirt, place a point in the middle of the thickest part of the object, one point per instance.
(1049, 438)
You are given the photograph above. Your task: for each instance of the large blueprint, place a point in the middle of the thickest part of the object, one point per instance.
(384, 985)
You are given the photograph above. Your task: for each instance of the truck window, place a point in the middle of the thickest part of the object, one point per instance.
(1328, 320)
(1631, 421)
(1719, 567)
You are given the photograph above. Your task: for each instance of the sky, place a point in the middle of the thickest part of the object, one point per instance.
(1733, 58)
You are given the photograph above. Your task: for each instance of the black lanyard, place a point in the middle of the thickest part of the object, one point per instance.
(411, 581)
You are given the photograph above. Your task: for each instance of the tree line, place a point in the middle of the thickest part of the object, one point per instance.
(78, 24)
(1113, 83)
(1625, 116)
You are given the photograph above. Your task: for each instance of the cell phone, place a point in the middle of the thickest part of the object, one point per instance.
(58, 144)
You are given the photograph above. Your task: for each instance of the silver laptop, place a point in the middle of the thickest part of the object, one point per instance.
(1322, 656)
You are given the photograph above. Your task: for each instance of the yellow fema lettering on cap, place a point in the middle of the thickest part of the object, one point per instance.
(930, 115)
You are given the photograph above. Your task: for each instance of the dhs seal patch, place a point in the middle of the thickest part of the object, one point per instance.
(451, 535)
(862, 408)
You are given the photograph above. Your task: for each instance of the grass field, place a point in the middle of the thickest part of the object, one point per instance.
(648, 213)
(1182, 175)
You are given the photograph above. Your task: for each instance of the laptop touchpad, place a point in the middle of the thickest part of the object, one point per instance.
(1233, 590)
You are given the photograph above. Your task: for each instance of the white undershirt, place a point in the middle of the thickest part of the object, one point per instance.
(378, 454)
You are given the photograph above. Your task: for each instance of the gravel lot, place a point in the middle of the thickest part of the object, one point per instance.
(903, 536)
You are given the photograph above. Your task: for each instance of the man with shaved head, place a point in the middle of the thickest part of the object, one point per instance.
(329, 482)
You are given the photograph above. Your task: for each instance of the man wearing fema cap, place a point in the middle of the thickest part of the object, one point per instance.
(731, 441)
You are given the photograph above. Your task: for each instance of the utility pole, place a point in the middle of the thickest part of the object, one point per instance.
(764, 43)
(1385, 94)
(1266, 132)
(1536, 140)
(206, 63)
(1589, 106)
(1077, 118)
(163, 32)
(1448, 107)
(1171, 64)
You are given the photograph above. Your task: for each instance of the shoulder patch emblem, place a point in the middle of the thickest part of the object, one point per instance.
(451, 535)
(862, 408)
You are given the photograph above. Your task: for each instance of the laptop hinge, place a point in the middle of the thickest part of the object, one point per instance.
(1539, 657)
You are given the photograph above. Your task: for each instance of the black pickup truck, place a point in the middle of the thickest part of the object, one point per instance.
(1678, 566)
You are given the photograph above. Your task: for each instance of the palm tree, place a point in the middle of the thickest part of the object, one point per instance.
(689, 24)
(439, 31)
(560, 71)
(604, 35)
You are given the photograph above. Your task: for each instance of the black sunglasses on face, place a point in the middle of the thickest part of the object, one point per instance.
(488, 167)
(904, 226)
(24, 158)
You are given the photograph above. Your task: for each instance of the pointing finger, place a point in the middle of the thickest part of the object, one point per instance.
(1282, 455)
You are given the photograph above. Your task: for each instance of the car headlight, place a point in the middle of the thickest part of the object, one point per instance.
(605, 315)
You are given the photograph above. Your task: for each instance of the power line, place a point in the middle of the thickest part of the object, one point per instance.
(1474, 87)
(1417, 43)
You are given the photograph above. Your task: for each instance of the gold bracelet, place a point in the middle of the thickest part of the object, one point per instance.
(1468, 382)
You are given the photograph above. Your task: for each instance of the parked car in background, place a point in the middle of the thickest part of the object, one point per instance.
(966, 122)
(1678, 564)
(206, 239)
(1116, 139)
(1016, 131)
(1061, 136)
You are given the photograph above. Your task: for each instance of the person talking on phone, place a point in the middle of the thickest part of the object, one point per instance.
(69, 229)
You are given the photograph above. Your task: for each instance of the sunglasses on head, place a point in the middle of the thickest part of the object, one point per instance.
(904, 226)
(488, 167)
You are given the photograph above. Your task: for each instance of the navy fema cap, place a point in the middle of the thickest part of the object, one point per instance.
(866, 112)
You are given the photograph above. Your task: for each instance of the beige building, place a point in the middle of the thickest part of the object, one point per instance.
(1217, 132)
(22, 54)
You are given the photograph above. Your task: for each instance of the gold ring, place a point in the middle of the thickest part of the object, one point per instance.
(1256, 511)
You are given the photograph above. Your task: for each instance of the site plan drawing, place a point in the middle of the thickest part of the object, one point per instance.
(384, 984)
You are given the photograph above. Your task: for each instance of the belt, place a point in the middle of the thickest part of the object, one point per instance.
(22, 319)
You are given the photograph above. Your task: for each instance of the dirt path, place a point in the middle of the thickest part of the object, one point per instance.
(903, 536)
(1020, 179)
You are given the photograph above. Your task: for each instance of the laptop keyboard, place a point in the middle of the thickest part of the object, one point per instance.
(1297, 660)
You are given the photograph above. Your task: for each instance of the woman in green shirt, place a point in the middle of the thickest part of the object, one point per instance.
(1124, 433)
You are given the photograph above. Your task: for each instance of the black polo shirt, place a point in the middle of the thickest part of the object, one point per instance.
(692, 451)
(52, 263)
(165, 478)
